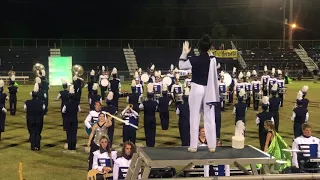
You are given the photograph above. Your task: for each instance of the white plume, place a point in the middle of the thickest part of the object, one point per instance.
(38, 80)
(110, 96)
(133, 83)
(152, 67)
(103, 68)
(273, 71)
(254, 72)
(95, 86)
(43, 72)
(150, 88)
(242, 92)
(234, 70)
(36, 87)
(186, 91)
(171, 67)
(265, 68)
(13, 78)
(164, 88)
(136, 74)
(1, 83)
(157, 74)
(140, 70)
(265, 100)
(299, 95)
(305, 89)
(222, 74)
(279, 71)
(178, 76)
(92, 73)
(248, 74)
(63, 81)
(240, 75)
(71, 89)
(114, 71)
(176, 70)
(274, 87)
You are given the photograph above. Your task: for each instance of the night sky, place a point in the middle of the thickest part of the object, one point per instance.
(158, 19)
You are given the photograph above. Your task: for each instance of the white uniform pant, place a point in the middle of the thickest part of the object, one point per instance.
(196, 104)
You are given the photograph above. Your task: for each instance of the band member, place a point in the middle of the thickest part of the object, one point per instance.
(150, 107)
(129, 116)
(256, 85)
(222, 90)
(265, 81)
(261, 118)
(94, 97)
(157, 86)
(300, 116)
(204, 91)
(305, 101)
(187, 81)
(183, 112)
(240, 108)
(64, 96)
(13, 95)
(104, 158)
(309, 145)
(239, 85)
(152, 78)
(71, 109)
(172, 76)
(248, 88)
(103, 88)
(112, 110)
(35, 112)
(272, 80)
(281, 87)
(99, 130)
(122, 164)
(176, 91)
(92, 117)
(134, 97)
(232, 85)
(77, 82)
(115, 87)
(3, 96)
(274, 106)
(45, 89)
(2, 119)
(164, 103)
(90, 84)
(139, 89)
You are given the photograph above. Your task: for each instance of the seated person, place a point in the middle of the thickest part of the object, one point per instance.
(309, 146)
(103, 159)
(122, 163)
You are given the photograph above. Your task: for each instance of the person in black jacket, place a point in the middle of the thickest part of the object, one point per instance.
(35, 112)
(94, 97)
(163, 108)
(13, 96)
(45, 89)
(300, 116)
(3, 96)
(71, 109)
(261, 118)
(64, 97)
(240, 108)
(113, 111)
(115, 87)
(274, 106)
(89, 85)
(134, 97)
(184, 120)
(150, 107)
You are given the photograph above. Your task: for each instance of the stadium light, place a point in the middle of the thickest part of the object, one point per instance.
(293, 26)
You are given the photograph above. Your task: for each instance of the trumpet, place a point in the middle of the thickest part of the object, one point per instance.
(129, 106)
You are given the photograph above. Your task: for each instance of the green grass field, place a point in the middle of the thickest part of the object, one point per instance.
(52, 163)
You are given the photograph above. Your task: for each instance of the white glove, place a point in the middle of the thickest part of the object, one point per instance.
(218, 66)
(86, 85)
(45, 95)
(185, 50)
(126, 123)
(4, 110)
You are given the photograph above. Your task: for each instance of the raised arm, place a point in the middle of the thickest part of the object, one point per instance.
(184, 63)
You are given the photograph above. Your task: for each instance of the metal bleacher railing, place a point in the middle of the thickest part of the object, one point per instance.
(168, 43)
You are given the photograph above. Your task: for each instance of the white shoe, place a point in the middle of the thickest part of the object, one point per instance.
(212, 150)
(193, 150)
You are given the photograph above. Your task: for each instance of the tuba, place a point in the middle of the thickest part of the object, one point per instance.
(37, 68)
(77, 70)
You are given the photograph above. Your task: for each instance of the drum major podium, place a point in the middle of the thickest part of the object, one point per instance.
(148, 157)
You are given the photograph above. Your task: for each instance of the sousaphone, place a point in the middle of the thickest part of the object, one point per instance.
(37, 68)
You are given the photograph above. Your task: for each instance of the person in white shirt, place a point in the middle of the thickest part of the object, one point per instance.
(309, 147)
(177, 92)
(103, 77)
(265, 81)
(187, 81)
(92, 117)
(122, 164)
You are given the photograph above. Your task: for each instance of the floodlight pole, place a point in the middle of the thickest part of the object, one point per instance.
(290, 23)
(284, 24)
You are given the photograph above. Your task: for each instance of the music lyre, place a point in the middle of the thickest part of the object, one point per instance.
(20, 171)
